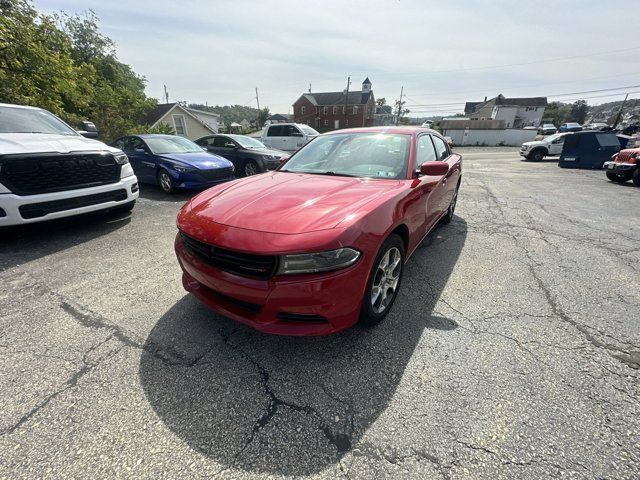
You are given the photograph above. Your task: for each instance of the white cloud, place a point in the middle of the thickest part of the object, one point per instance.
(220, 51)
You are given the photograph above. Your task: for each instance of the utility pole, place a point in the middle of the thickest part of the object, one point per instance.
(400, 105)
(166, 94)
(309, 88)
(615, 124)
(257, 100)
(346, 103)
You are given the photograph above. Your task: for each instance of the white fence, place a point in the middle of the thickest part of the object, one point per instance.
(490, 138)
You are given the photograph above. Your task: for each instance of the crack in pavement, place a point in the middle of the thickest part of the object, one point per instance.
(341, 441)
(71, 382)
(395, 457)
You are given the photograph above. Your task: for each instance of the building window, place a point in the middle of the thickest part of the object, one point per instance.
(179, 124)
(303, 110)
(344, 110)
(326, 123)
(335, 110)
(324, 110)
(355, 109)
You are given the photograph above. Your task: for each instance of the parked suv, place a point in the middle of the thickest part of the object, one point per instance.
(570, 127)
(48, 170)
(537, 150)
(287, 136)
(624, 166)
(547, 129)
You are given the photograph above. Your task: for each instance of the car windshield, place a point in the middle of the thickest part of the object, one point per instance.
(370, 155)
(27, 120)
(308, 130)
(248, 142)
(160, 145)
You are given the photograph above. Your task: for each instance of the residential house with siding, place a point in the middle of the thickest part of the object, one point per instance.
(187, 122)
(516, 112)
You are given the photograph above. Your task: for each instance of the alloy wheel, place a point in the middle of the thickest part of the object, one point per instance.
(165, 181)
(250, 168)
(386, 279)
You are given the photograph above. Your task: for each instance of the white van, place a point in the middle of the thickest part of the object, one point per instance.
(287, 136)
(49, 170)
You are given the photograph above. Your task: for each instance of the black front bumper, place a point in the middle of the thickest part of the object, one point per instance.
(625, 169)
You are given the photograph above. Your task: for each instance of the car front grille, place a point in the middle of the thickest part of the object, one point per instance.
(216, 174)
(44, 173)
(258, 266)
(36, 210)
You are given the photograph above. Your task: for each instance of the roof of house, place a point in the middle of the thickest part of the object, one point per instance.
(338, 98)
(366, 80)
(384, 110)
(470, 107)
(163, 108)
(278, 116)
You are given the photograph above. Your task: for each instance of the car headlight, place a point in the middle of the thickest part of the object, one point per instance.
(181, 169)
(121, 158)
(318, 262)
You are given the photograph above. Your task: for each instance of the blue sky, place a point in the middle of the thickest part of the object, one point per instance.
(218, 52)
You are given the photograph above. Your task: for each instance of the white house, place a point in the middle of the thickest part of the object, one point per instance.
(516, 112)
(187, 122)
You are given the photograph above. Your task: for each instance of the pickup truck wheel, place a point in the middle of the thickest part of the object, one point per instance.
(165, 182)
(636, 177)
(614, 177)
(536, 155)
(384, 282)
(250, 167)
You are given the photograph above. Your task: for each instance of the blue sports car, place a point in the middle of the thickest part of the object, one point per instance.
(171, 162)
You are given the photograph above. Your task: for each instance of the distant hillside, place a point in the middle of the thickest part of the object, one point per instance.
(611, 108)
(230, 113)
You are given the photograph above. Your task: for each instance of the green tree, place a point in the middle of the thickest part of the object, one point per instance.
(579, 110)
(381, 102)
(557, 113)
(263, 115)
(64, 64)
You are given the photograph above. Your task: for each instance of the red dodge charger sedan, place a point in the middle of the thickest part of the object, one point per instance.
(319, 244)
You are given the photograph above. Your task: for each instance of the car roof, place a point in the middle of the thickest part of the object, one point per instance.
(153, 135)
(403, 130)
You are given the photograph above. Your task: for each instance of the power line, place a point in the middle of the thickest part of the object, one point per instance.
(558, 59)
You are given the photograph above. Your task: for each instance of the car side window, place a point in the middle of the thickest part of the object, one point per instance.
(291, 131)
(219, 141)
(275, 131)
(119, 143)
(136, 143)
(204, 142)
(441, 148)
(424, 151)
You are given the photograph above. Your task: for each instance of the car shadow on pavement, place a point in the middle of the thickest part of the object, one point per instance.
(24, 243)
(286, 405)
(153, 192)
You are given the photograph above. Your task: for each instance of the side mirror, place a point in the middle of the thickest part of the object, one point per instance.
(434, 168)
(89, 130)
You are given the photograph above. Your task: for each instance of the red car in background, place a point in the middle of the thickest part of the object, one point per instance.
(319, 244)
(624, 166)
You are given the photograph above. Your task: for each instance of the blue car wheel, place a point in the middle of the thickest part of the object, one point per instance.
(165, 182)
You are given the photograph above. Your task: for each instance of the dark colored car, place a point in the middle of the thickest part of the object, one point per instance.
(320, 243)
(570, 127)
(588, 150)
(624, 166)
(171, 162)
(249, 155)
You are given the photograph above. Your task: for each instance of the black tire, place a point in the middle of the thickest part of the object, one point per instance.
(636, 177)
(614, 177)
(165, 182)
(452, 208)
(373, 312)
(126, 208)
(536, 155)
(250, 167)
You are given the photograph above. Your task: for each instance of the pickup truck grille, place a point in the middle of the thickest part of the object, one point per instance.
(34, 174)
(260, 266)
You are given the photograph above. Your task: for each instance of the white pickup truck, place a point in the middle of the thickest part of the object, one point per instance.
(548, 146)
(288, 137)
(48, 170)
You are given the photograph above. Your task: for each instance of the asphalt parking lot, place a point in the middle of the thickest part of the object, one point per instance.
(513, 350)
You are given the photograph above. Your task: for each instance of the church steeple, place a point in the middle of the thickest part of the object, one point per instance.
(366, 85)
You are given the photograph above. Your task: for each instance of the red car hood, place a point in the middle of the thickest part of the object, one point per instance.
(288, 203)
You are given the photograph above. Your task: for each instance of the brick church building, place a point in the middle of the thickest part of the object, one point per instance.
(334, 110)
